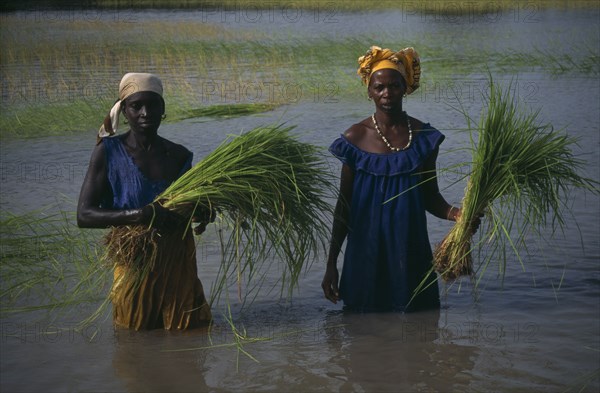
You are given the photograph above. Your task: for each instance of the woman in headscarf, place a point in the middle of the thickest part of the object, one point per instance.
(388, 182)
(126, 173)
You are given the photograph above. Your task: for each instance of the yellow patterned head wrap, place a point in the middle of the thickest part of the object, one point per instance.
(406, 62)
(131, 83)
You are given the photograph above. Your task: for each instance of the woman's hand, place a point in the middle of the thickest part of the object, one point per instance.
(330, 284)
(202, 217)
(162, 218)
(474, 224)
(165, 219)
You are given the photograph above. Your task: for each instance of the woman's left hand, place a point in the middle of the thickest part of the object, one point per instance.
(474, 224)
(202, 217)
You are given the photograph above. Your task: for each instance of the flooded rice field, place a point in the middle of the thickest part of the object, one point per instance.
(537, 329)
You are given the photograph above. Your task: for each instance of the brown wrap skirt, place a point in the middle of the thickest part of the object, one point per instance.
(169, 296)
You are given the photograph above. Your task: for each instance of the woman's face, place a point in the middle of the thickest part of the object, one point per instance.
(144, 111)
(386, 88)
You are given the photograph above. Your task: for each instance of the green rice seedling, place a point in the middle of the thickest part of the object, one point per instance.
(47, 263)
(270, 191)
(521, 174)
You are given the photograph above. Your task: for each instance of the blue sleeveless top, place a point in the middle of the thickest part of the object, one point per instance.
(130, 187)
(387, 251)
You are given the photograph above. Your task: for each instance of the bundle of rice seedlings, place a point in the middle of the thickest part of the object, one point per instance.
(268, 186)
(521, 171)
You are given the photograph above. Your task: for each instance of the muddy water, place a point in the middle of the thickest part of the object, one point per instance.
(536, 331)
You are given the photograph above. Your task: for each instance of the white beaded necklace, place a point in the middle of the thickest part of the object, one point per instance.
(392, 148)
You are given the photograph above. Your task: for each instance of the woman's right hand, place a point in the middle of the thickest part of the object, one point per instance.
(330, 284)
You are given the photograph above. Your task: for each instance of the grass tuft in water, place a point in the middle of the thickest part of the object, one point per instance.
(225, 111)
(47, 263)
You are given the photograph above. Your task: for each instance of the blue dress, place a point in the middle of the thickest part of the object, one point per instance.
(387, 251)
(171, 296)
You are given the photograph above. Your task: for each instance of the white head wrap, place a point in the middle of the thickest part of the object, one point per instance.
(131, 83)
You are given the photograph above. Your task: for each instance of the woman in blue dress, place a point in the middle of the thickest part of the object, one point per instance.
(388, 182)
(126, 173)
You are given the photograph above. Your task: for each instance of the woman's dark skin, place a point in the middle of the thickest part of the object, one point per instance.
(156, 157)
(386, 89)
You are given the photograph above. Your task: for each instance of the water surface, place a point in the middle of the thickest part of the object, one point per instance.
(537, 330)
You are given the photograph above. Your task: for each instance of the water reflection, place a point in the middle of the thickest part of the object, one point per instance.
(397, 352)
(143, 365)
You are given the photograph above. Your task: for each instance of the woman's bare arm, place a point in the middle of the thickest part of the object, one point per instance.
(94, 190)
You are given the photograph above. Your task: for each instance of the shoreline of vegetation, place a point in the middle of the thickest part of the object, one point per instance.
(68, 70)
(77, 103)
(463, 7)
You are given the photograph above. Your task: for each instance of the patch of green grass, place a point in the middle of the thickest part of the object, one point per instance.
(63, 77)
(52, 119)
(47, 263)
(85, 117)
(225, 111)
